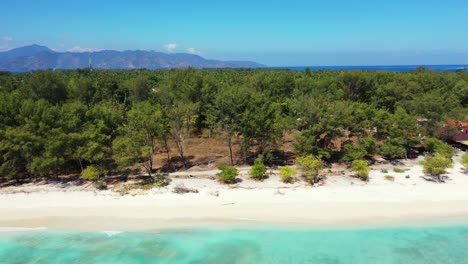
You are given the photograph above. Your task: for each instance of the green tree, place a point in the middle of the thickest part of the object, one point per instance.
(182, 118)
(92, 173)
(352, 153)
(362, 169)
(259, 169)
(228, 174)
(146, 124)
(138, 88)
(445, 150)
(259, 110)
(431, 143)
(436, 165)
(311, 167)
(287, 174)
(230, 103)
(464, 160)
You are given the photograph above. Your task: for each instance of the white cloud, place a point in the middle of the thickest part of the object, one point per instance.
(7, 38)
(81, 49)
(4, 47)
(193, 51)
(170, 47)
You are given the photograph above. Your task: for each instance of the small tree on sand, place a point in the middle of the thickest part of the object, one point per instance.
(228, 174)
(362, 169)
(311, 167)
(93, 173)
(287, 174)
(464, 160)
(258, 169)
(436, 165)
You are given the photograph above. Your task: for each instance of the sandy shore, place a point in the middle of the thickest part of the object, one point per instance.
(342, 200)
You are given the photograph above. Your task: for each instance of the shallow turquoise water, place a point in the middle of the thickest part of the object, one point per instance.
(426, 245)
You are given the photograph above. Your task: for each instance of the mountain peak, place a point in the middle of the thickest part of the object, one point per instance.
(24, 51)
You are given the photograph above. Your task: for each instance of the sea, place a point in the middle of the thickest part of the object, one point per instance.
(392, 68)
(446, 244)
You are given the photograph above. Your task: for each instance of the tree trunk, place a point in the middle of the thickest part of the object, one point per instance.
(168, 152)
(230, 148)
(81, 164)
(179, 143)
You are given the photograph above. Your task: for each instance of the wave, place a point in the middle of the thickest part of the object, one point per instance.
(111, 232)
(21, 229)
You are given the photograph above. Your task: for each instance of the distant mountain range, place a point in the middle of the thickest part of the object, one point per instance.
(36, 57)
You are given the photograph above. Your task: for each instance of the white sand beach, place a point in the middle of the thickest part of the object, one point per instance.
(341, 200)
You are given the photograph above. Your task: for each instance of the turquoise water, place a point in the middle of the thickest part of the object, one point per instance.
(426, 245)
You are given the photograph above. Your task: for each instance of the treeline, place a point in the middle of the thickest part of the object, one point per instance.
(54, 122)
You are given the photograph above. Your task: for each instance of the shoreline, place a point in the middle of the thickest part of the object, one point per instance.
(317, 215)
(341, 202)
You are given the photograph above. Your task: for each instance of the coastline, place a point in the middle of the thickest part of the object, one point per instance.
(340, 203)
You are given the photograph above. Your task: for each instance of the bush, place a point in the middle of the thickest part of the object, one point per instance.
(464, 160)
(361, 167)
(352, 153)
(258, 169)
(311, 167)
(228, 174)
(92, 173)
(384, 171)
(398, 170)
(389, 178)
(436, 165)
(287, 173)
(445, 150)
(433, 145)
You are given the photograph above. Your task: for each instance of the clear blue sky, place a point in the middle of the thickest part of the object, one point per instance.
(294, 32)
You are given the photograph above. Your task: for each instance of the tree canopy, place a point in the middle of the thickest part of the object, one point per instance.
(54, 122)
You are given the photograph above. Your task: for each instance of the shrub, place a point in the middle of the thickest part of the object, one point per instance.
(384, 171)
(445, 150)
(389, 178)
(228, 174)
(431, 143)
(398, 170)
(436, 165)
(464, 160)
(92, 173)
(287, 174)
(361, 167)
(352, 153)
(259, 169)
(311, 167)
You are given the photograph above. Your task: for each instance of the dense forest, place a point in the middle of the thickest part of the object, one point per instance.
(61, 122)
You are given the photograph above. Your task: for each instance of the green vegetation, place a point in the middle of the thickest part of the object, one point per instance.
(228, 174)
(464, 160)
(384, 171)
(92, 173)
(362, 169)
(287, 174)
(399, 170)
(62, 122)
(311, 167)
(389, 178)
(435, 146)
(436, 165)
(259, 169)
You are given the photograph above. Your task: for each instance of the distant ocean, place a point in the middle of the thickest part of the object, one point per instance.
(408, 245)
(392, 68)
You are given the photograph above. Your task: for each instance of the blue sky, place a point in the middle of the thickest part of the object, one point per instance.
(277, 33)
